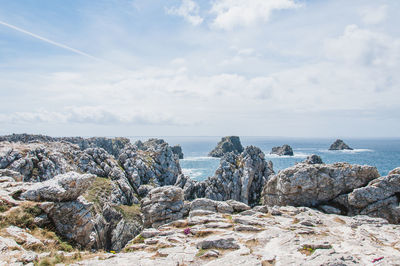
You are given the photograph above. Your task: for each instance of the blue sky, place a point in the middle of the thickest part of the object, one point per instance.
(190, 67)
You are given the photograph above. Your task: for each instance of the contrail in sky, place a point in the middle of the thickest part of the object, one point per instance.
(49, 41)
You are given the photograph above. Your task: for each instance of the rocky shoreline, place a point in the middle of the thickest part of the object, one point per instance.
(102, 201)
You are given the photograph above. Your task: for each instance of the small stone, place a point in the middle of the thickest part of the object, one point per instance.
(218, 242)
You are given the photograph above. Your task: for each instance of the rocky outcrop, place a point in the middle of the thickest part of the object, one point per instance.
(112, 146)
(239, 177)
(311, 185)
(287, 236)
(64, 187)
(282, 150)
(339, 145)
(313, 159)
(380, 198)
(152, 162)
(162, 205)
(177, 150)
(227, 145)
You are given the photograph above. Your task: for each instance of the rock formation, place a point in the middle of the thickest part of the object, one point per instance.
(162, 205)
(380, 198)
(226, 145)
(339, 145)
(313, 159)
(239, 177)
(283, 150)
(177, 149)
(315, 184)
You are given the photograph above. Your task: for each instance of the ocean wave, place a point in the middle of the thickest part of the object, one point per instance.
(295, 155)
(201, 158)
(347, 151)
(193, 173)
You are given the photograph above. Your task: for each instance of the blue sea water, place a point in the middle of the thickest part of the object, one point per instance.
(384, 154)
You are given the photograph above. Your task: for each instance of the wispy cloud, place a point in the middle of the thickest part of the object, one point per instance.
(233, 13)
(63, 46)
(189, 10)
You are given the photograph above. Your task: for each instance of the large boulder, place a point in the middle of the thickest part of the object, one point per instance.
(64, 187)
(314, 184)
(226, 145)
(282, 150)
(339, 145)
(162, 205)
(380, 198)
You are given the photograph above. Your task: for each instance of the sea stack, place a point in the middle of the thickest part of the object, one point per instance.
(227, 144)
(284, 150)
(339, 145)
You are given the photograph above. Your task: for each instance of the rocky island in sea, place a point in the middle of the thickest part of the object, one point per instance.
(339, 145)
(102, 201)
(282, 150)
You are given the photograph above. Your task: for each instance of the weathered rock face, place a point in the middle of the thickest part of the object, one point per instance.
(162, 205)
(339, 145)
(112, 146)
(313, 159)
(177, 149)
(151, 162)
(311, 185)
(283, 150)
(239, 177)
(37, 162)
(64, 187)
(226, 145)
(380, 198)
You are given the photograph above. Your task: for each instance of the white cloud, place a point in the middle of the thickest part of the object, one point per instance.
(373, 15)
(189, 10)
(233, 13)
(364, 47)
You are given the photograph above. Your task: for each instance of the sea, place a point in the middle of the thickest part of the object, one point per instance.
(384, 154)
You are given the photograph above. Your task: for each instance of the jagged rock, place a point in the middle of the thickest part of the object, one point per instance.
(112, 146)
(239, 177)
(65, 187)
(283, 150)
(123, 233)
(339, 145)
(177, 150)
(226, 145)
(313, 159)
(74, 220)
(152, 163)
(395, 171)
(378, 199)
(311, 185)
(237, 206)
(162, 205)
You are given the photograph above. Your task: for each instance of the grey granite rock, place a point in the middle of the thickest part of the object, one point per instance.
(162, 205)
(282, 150)
(239, 177)
(313, 159)
(311, 185)
(226, 145)
(339, 145)
(177, 150)
(65, 187)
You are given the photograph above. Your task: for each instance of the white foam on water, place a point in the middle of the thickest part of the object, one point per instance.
(201, 158)
(347, 151)
(295, 155)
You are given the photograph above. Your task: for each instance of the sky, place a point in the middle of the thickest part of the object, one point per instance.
(292, 68)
